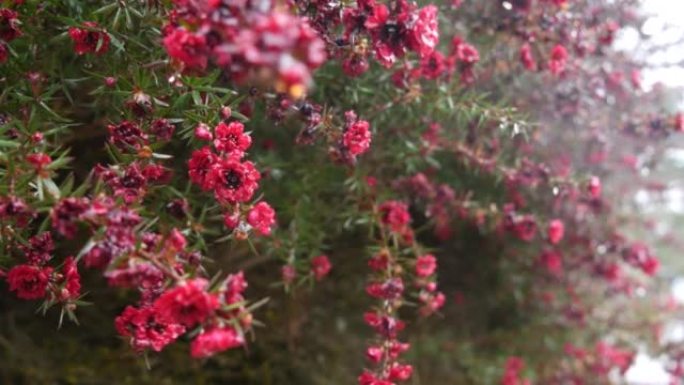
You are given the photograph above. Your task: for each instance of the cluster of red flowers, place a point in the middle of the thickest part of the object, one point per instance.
(265, 46)
(387, 286)
(35, 279)
(392, 33)
(188, 306)
(9, 30)
(232, 180)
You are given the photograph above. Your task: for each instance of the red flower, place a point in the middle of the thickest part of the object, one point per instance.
(555, 231)
(426, 265)
(234, 181)
(424, 35)
(558, 61)
(231, 137)
(399, 372)
(39, 160)
(146, 329)
(395, 214)
(214, 341)
(66, 213)
(200, 168)
(262, 218)
(72, 279)
(187, 304)
(126, 134)
(29, 282)
(188, 48)
(89, 39)
(553, 262)
(525, 228)
(162, 129)
(9, 25)
(357, 137)
(320, 266)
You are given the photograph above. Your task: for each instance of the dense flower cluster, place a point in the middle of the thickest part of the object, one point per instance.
(250, 42)
(431, 173)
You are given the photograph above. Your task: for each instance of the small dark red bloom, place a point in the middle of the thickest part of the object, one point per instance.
(162, 129)
(89, 38)
(72, 280)
(126, 134)
(29, 282)
(395, 215)
(320, 266)
(9, 25)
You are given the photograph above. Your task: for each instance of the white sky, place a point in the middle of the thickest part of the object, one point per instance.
(665, 26)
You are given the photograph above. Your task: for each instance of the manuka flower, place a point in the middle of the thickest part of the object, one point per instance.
(215, 340)
(231, 138)
(29, 282)
(234, 181)
(262, 218)
(187, 304)
(146, 329)
(89, 38)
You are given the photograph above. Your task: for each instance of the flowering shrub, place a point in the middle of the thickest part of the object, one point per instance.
(415, 193)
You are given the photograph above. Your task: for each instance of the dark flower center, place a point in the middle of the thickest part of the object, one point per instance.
(233, 179)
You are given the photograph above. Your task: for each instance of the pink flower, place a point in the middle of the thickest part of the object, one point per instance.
(426, 265)
(29, 282)
(262, 218)
(320, 266)
(202, 132)
(231, 137)
(357, 137)
(187, 304)
(214, 341)
(555, 231)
